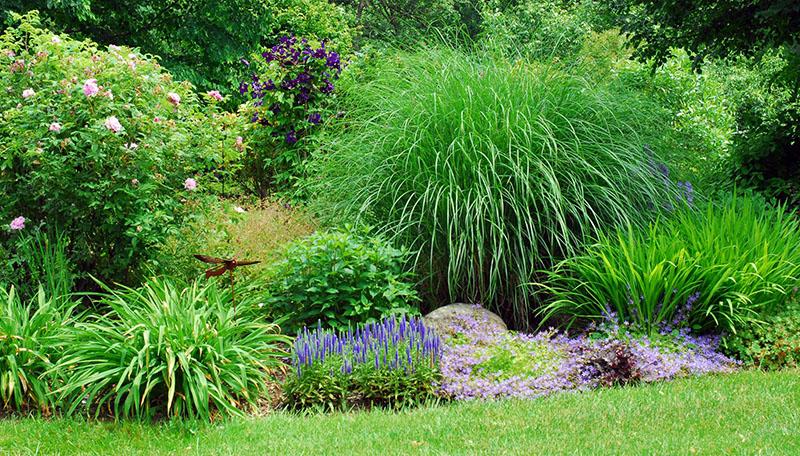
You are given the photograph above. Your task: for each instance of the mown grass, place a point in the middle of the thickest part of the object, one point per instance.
(744, 413)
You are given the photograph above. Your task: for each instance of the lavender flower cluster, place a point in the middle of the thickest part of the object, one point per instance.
(303, 75)
(393, 344)
(560, 362)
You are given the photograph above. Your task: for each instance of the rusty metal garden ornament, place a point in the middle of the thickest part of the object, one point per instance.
(226, 265)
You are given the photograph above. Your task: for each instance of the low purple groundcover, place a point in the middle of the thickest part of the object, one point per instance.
(551, 361)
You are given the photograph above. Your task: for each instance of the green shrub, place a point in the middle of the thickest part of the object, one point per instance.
(490, 170)
(775, 344)
(732, 261)
(164, 350)
(32, 334)
(340, 277)
(100, 144)
(392, 363)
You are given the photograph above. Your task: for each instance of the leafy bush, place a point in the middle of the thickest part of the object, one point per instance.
(101, 144)
(727, 263)
(31, 341)
(288, 87)
(341, 277)
(773, 343)
(163, 350)
(393, 362)
(259, 232)
(490, 170)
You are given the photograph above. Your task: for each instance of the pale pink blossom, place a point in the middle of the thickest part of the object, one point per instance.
(55, 39)
(114, 47)
(174, 98)
(134, 182)
(17, 224)
(55, 126)
(27, 93)
(157, 119)
(108, 94)
(215, 95)
(190, 184)
(112, 123)
(90, 88)
(239, 143)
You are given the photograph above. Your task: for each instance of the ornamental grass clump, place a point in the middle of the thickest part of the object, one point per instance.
(490, 170)
(163, 350)
(724, 265)
(32, 335)
(394, 362)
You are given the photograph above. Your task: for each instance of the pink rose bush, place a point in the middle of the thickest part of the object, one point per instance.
(117, 146)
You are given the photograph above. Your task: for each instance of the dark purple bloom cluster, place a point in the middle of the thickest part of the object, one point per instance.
(303, 76)
(393, 344)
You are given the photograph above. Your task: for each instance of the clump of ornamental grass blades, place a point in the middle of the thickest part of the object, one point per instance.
(163, 350)
(490, 170)
(394, 362)
(732, 261)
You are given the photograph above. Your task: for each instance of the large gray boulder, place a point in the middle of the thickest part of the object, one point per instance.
(449, 319)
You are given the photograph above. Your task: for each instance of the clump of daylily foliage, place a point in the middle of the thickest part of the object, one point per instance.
(394, 362)
(482, 361)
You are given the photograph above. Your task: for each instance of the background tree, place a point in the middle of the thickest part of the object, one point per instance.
(197, 40)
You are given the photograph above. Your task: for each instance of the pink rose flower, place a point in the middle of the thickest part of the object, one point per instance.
(112, 123)
(55, 126)
(17, 224)
(90, 88)
(215, 95)
(174, 98)
(27, 93)
(190, 184)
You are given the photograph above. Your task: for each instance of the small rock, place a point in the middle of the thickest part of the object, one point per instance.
(444, 318)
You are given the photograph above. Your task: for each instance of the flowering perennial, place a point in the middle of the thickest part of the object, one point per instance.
(389, 344)
(473, 363)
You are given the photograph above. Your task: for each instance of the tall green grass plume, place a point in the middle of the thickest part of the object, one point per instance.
(490, 170)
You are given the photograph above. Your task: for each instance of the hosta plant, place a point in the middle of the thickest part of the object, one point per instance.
(169, 351)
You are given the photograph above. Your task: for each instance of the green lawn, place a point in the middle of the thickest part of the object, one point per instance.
(744, 413)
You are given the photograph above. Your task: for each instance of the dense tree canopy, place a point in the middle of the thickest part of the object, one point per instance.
(197, 40)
